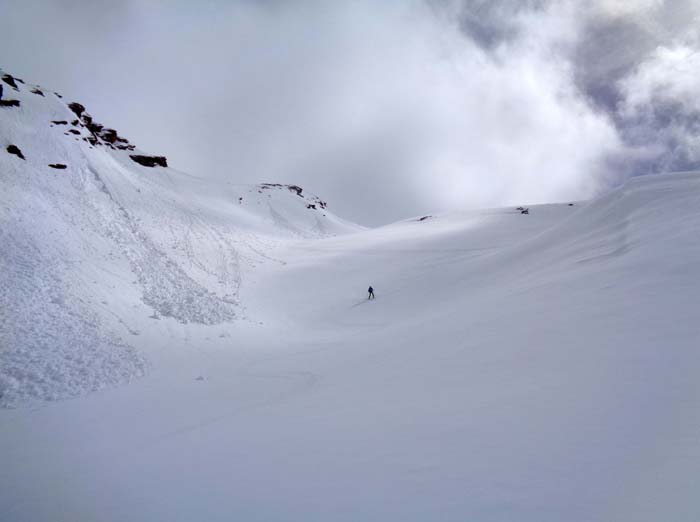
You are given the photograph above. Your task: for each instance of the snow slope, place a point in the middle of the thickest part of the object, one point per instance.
(513, 368)
(85, 246)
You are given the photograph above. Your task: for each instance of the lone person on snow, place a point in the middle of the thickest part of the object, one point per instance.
(371, 293)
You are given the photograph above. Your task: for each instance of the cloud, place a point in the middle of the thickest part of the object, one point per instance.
(642, 70)
(661, 107)
(632, 60)
(386, 109)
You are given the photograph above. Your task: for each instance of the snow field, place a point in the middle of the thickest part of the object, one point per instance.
(537, 367)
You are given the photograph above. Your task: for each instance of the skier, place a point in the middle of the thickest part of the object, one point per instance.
(371, 293)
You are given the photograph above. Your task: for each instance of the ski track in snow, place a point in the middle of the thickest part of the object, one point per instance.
(166, 286)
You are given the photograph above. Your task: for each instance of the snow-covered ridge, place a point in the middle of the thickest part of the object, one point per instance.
(94, 230)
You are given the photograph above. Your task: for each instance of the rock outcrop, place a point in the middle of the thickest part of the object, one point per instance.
(96, 135)
(293, 188)
(77, 108)
(14, 149)
(149, 161)
(10, 80)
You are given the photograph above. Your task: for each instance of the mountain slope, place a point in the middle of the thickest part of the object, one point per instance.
(87, 244)
(538, 367)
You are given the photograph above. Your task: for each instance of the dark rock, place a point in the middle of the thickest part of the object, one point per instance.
(20, 80)
(14, 149)
(311, 206)
(77, 108)
(87, 119)
(75, 122)
(74, 131)
(58, 95)
(95, 128)
(571, 204)
(9, 80)
(92, 140)
(37, 91)
(293, 188)
(57, 165)
(424, 218)
(525, 211)
(0, 91)
(59, 122)
(109, 135)
(9, 103)
(149, 161)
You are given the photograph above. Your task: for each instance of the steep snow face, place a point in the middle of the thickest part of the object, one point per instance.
(89, 233)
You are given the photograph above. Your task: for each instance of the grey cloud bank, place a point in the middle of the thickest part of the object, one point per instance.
(386, 109)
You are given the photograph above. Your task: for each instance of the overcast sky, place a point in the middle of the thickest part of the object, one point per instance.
(387, 109)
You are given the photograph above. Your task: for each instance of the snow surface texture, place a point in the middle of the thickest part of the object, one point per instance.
(513, 368)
